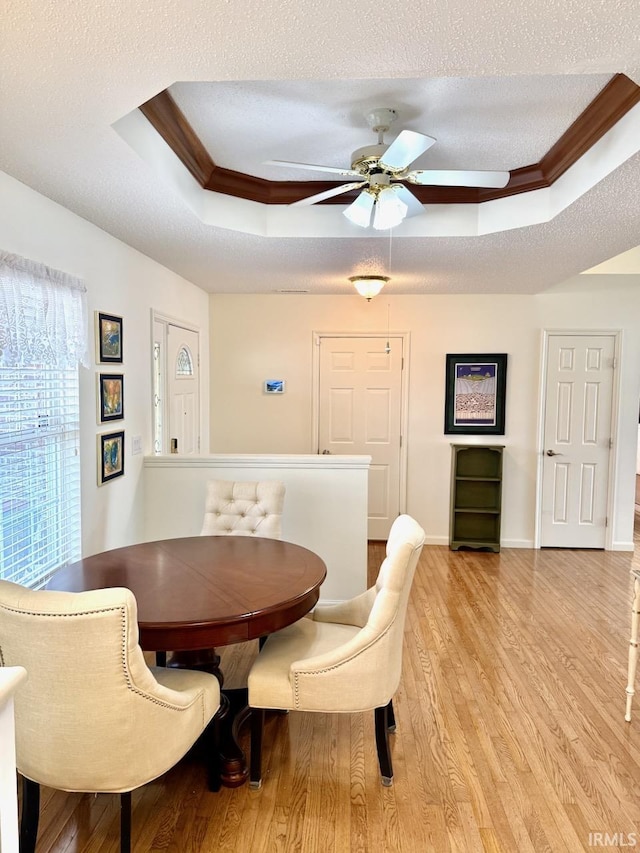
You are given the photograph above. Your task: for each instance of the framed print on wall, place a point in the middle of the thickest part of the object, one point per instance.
(475, 394)
(108, 338)
(110, 397)
(110, 456)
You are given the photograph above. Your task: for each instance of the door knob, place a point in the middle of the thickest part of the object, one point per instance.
(553, 453)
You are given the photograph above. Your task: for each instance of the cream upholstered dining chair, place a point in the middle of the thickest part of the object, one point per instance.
(243, 508)
(345, 657)
(93, 717)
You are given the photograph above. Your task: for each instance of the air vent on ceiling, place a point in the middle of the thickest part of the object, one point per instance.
(292, 291)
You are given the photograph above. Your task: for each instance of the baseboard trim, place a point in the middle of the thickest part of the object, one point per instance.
(505, 543)
(622, 546)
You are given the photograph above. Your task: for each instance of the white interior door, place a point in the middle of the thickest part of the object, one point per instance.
(359, 412)
(577, 440)
(183, 385)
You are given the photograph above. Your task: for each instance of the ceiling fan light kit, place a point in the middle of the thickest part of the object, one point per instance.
(380, 170)
(383, 203)
(388, 211)
(360, 211)
(368, 285)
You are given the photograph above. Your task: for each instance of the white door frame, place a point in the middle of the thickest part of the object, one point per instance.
(404, 396)
(168, 320)
(615, 408)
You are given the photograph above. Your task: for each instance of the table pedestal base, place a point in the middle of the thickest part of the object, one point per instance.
(234, 712)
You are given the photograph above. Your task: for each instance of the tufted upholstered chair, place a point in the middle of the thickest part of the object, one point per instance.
(93, 716)
(345, 657)
(243, 509)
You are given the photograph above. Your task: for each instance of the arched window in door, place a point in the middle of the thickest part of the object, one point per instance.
(184, 362)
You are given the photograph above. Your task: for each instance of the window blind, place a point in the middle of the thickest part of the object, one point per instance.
(43, 338)
(39, 472)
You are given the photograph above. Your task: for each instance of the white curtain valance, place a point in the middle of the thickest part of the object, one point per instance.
(43, 316)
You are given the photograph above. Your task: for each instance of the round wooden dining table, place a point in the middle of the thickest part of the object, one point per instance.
(196, 593)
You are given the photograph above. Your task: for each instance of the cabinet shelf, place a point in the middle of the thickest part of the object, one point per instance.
(476, 496)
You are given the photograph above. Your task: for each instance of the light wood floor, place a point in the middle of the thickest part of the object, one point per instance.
(511, 734)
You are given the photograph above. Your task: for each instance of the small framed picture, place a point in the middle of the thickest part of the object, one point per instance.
(475, 394)
(110, 456)
(110, 397)
(274, 386)
(108, 338)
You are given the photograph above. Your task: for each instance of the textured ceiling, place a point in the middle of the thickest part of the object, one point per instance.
(478, 123)
(70, 70)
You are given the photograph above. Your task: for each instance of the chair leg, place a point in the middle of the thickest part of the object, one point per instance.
(125, 822)
(161, 658)
(212, 744)
(382, 744)
(257, 725)
(391, 717)
(30, 815)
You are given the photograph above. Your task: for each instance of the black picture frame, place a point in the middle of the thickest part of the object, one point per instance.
(108, 338)
(110, 397)
(110, 456)
(471, 412)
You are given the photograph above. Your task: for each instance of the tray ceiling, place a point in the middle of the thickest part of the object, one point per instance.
(274, 82)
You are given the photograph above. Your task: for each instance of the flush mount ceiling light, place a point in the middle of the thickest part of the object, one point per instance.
(368, 285)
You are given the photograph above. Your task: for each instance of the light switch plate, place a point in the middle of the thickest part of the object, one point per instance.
(136, 445)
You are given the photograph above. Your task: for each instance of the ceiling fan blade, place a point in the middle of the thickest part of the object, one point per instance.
(312, 199)
(458, 178)
(405, 148)
(313, 167)
(360, 211)
(414, 207)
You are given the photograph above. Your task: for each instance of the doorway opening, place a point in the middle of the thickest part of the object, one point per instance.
(360, 407)
(576, 474)
(176, 386)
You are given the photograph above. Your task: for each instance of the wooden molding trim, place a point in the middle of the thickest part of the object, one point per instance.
(617, 98)
(608, 107)
(170, 122)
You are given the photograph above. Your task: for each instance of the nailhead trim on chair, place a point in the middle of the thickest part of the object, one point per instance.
(127, 676)
(153, 699)
(296, 694)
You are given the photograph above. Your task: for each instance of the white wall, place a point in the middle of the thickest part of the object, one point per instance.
(120, 281)
(258, 337)
(270, 336)
(325, 505)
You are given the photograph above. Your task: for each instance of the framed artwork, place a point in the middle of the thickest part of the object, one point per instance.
(274, 386)
(110, 456)
(475, 394)
(110, 397)
(108, 338)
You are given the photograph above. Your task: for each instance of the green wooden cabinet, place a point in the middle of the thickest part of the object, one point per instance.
(476, 496)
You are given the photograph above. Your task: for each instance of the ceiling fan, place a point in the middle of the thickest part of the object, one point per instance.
(380, 169)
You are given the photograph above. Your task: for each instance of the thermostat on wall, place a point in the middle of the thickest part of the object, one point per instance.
(274, 386)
